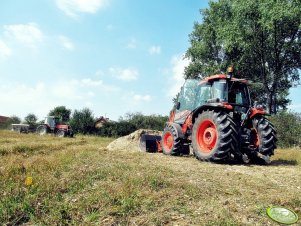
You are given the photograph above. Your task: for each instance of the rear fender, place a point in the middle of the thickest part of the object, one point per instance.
(178, 129)
(257, 111)
(218, 107)
(171, 117)
(61, 126)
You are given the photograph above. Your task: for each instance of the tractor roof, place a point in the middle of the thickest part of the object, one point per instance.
(223, 76)
(51, 116)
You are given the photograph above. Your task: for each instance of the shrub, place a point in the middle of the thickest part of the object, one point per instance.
(288, 127)
(82, 121)
(132, 122)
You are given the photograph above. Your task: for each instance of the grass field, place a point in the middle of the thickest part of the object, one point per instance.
(77, 181)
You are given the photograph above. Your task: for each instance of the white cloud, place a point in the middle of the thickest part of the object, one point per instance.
(177, 78)
(154, 50)
(20, 99)
(99, 73)
(66, 43)
(138, 97)
(132, 44)
(27, 34)
(73, 7)
(91, 94)
(90, 82)
(134, 100)
(126, 74)
(5, 51)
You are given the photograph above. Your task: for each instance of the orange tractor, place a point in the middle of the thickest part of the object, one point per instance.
(215, 117)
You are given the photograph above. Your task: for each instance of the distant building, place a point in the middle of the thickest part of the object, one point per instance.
(3, 119)
(101, 121)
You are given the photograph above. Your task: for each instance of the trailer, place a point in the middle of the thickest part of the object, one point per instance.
(20, 128)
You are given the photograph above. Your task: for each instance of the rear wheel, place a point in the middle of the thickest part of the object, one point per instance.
(42, 130)
(214, 136)
(60, 133)
(263, 137)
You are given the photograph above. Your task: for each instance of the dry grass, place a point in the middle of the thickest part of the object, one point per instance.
(77, 181)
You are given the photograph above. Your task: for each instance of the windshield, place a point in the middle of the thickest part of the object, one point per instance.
(195, 93)
(220, 91)
(187, 97)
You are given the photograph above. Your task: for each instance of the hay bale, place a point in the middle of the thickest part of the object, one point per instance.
(131, 141)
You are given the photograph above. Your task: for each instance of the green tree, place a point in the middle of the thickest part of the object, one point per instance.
(61, 112)
(82, 121)
(140, 121)
(261, 38)
(31, 119)
(288, 127)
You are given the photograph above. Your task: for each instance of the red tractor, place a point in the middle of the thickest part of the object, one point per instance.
(52, 125)
(216, 118)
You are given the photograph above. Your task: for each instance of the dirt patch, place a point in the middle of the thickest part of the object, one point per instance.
(131, 141)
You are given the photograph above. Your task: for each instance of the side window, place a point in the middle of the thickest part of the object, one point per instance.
(238, 97)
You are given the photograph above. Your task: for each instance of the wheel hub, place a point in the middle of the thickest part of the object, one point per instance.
(207, 136)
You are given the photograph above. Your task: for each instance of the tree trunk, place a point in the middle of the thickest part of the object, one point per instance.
(270, 102)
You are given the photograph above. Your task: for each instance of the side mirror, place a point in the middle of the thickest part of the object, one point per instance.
(178, 105)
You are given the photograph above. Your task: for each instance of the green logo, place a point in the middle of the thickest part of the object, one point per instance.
(282, 215)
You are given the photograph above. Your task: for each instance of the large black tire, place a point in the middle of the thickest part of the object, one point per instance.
(214, 136)
(170, 143)
(42, 130)
(60, 133)
(263, 136)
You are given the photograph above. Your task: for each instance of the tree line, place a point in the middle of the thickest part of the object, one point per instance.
(286, 123)
(83, 122)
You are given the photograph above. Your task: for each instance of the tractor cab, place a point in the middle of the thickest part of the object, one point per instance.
(214, 91)
(52, 121)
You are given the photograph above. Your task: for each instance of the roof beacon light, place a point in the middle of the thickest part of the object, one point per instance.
(230, 70)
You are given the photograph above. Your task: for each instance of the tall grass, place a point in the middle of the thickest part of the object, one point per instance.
(77, 181)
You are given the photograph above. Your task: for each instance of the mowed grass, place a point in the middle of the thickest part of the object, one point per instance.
(76, 181)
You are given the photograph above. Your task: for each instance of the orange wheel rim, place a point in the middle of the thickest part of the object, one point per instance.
(168, 141)
(206, 136)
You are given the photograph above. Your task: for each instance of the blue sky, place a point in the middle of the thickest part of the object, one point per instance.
(112, 56)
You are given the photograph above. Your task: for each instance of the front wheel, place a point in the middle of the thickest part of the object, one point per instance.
(214, 136)
(170, 141)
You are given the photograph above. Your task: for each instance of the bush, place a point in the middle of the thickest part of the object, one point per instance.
(82, 121)
(141, 121)
(288, 127)
(132, 122)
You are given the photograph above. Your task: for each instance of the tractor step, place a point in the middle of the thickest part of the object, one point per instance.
(150, 143)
